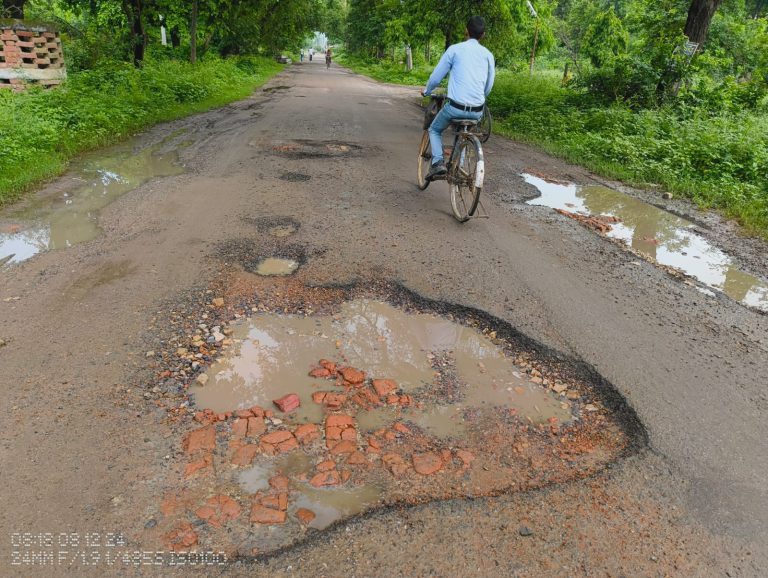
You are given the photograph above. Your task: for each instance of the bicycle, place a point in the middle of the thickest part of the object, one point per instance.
(465, 164)
(485, 125)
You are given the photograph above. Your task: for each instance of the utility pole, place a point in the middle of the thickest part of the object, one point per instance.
(535, 35)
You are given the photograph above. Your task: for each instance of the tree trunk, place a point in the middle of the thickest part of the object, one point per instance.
(448, 37)
(134, 12)
(193, 33)
(14, 9)
(175, 37)
(699, 17)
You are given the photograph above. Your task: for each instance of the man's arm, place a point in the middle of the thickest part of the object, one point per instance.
(491, 75)
(438, 74)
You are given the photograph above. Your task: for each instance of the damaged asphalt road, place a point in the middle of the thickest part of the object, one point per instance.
(319, 169)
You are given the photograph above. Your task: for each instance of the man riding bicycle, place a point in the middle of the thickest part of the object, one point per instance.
(472, 69)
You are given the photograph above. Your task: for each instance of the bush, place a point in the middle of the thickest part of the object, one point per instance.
(40, 130)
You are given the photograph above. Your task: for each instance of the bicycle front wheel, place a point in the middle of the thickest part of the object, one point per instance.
(485, 125)
(425, 161)
(465, 178)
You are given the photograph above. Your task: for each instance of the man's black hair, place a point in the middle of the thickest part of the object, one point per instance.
(476, 27)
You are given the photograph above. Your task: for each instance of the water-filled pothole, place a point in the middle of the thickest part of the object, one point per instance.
(396, 405)
(276, 266)
(274, 351)
(668, 239)
(295, 177)
(60, 221)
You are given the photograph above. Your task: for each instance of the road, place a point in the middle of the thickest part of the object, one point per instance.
(84, 451)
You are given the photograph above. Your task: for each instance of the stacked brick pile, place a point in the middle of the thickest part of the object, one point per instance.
(30, 55)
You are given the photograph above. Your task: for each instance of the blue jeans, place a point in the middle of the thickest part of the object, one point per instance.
(443, 121)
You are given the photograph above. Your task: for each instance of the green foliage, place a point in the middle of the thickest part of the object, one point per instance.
(41, 130)
(605, 38)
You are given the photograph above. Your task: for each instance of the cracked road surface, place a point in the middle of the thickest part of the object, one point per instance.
(83, 450)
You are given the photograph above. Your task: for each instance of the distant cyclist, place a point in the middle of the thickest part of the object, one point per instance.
(328, 57)
(472, 69)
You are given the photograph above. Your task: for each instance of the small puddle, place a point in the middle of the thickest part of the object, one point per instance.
(669, 239)
(273, 354)
(328, 504)
(282, 231)
(275, 266)
(62, 220)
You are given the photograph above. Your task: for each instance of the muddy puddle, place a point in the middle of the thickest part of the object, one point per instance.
(273, 354)
(328, 504)
(667, 238)
(65, 219)
(276, 266)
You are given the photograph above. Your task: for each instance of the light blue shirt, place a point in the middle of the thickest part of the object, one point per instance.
(472, 69)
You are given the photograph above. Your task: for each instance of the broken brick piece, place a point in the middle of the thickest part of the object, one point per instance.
(288, 403)
(306, 433)
(329, 365)
(181, 538)
(401, 428)
(339, 420)
(344, 447)
(319, 372)
(466, 457)
(218, 510)
(262, 515)
(244, 455)
(384, 386)
(305, 516)
(194, 467)
(325, 466)
(279, 483)
(203, 438)
(277, 437)
(427, 463)
(323, 479)
(352, 375)
(356, 458)
(256, 426)
(243, 413)
(395, 463)
(240, 427)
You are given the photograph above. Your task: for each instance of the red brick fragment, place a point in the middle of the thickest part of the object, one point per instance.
(256, 426)
(240, 427)
(288, 403)
(401, 428)
(203, 438)
(305, 516)
(277, 437)
(466, 457)
(324, 479)
(245, 454)
(326, 466)
(218, 510)
(279, 483)
(427, 463)
(329, 365)
(351, 375)
(384, 386)
(243, 413)
(344, 447)
(307, 433)
(262, 515)
(357, 459)
(194, 467)
(395, 463)
(319, 372)
(183, 537)
(257, 411)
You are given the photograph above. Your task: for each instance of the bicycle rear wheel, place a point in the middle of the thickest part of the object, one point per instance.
(425, 160)
(465, 178)
(485, 125)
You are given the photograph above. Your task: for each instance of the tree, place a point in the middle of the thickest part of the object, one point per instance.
(700, 16)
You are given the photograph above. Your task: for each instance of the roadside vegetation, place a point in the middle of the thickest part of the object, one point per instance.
(122, 78)
(614, 86)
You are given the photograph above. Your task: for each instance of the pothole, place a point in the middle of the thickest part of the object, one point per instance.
(295, 177)
(62, 220)
(372, 400)
(276, 266)
(308, 149)
(274, 226)
(662, 236)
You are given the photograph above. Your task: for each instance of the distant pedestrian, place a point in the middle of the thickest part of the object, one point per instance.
(328, 58)
(301, 55)
(311, 52)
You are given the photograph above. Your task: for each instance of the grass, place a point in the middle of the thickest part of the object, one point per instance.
(40, 131)
(718, 161)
